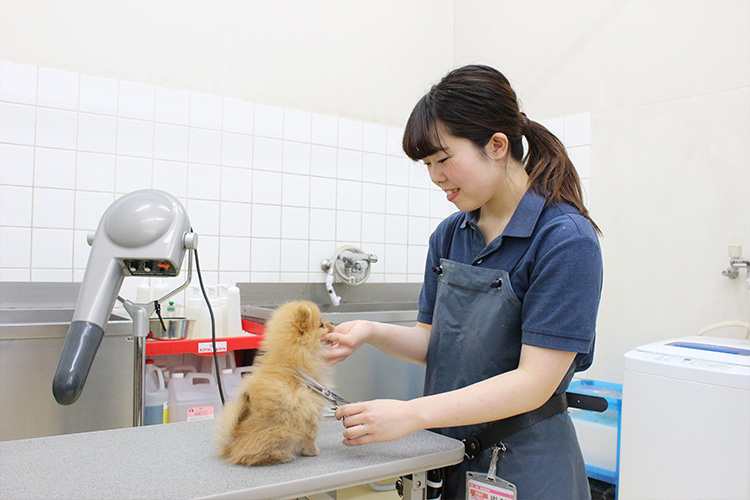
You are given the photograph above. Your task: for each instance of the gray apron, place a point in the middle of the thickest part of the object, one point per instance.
(476, 334)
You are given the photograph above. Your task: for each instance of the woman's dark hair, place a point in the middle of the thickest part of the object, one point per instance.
(474, 102)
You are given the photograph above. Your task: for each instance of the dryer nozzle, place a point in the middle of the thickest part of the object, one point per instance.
(78, 353)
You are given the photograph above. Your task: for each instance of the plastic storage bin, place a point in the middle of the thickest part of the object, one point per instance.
(599, 432)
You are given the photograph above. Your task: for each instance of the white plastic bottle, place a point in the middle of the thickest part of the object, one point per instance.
(221, 300)
(234, 313)
(196, 309)
(218, 314)
(160, 289)
(156, 395)
(143, 294)
(171, 310)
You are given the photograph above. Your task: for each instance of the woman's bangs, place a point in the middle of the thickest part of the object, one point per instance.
(421, 138)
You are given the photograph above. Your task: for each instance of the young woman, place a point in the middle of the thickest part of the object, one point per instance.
(510, 296)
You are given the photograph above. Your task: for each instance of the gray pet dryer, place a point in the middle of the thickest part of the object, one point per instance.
(144, 233)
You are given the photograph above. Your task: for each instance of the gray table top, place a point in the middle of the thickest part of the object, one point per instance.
(179, 461)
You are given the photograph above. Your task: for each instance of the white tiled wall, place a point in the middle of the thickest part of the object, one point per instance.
(271, 191)
(575, 133)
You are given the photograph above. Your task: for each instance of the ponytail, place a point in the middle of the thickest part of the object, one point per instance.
(474, 102)
(551, 173)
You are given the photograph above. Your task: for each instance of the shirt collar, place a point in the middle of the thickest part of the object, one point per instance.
(524, 219)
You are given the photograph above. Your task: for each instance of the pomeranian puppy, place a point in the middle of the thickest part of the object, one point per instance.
(276, 417)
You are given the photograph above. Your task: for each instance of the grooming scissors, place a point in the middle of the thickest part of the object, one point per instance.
(318, 388)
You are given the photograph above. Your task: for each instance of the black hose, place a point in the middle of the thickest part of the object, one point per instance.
(213, 325)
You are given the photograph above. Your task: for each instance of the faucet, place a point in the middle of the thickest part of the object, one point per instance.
(351, 265)
(736, 262)
(355, 263)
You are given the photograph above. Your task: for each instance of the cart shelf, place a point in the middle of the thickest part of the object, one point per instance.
(203, 347)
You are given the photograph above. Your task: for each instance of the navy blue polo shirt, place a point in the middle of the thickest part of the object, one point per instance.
(554, 261)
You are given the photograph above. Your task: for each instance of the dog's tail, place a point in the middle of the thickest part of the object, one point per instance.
(232, 414)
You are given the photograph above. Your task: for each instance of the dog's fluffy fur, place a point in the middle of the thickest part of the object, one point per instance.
(276, 416)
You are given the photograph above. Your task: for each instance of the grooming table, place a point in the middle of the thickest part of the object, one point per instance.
(179, 461)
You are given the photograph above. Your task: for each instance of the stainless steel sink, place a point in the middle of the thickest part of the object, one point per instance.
(46, 323)
(34, 321)
(367, 307)
(388, 312)
(41, 303)
(382, 302)
(42, 316)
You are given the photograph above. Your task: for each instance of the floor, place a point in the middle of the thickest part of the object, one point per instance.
(365, 492)
(599, 491)
(602, 491)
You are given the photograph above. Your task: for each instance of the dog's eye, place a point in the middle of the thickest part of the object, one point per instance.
(321, 325)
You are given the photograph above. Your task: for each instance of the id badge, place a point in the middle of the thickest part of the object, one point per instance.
(481, 487)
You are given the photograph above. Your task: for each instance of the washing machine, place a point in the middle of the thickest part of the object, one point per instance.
(685, 431)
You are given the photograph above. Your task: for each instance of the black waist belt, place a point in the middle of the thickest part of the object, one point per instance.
(499, 430)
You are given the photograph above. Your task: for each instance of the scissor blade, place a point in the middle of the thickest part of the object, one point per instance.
(319, 388)
(333, 397)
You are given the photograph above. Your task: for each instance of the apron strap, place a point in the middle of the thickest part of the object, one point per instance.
(499, 430)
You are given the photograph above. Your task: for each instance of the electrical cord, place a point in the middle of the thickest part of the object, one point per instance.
(213, 325)
(157, 308)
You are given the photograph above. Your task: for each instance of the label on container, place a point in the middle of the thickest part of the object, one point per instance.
(206, 347)
(200, 413)
(165, 414)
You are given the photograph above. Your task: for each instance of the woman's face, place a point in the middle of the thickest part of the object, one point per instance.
(468, 177)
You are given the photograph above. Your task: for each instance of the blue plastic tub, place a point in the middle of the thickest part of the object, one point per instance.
(599, 432)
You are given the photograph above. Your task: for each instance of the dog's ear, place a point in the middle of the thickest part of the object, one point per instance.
(303, 319)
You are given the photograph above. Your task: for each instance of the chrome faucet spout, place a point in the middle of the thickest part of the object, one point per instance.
(350, 265)
(356, 262)
(348, 256)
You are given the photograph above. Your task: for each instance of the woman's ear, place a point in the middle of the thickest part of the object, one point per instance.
(498, 147)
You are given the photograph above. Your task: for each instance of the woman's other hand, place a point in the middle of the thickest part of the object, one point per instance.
(376, 421)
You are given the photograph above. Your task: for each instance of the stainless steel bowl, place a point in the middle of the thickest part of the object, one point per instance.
(176, 328)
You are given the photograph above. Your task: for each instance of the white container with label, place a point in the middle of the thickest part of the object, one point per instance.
(193, 396)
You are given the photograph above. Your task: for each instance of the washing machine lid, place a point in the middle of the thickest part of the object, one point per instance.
(710, 349)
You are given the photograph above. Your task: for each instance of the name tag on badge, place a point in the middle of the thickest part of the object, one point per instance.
(481, 487)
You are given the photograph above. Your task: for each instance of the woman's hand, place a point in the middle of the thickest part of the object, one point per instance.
(345, 339)
(376, 421)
